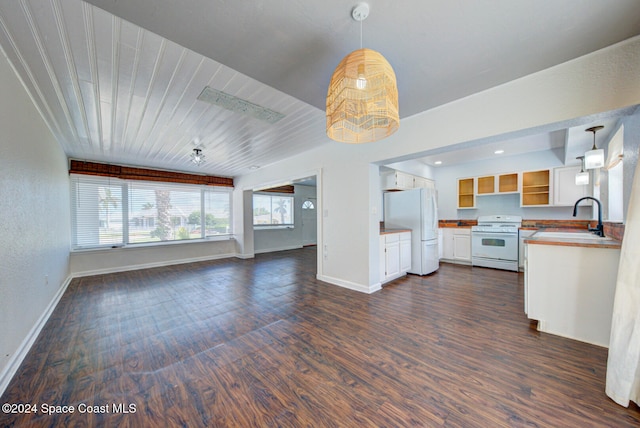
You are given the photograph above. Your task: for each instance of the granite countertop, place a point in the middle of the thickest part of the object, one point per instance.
(580, 240)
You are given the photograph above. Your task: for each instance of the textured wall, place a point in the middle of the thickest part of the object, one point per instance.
(34, 216)
(631, 151)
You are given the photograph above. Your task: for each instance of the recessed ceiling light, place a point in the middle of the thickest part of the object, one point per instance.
(438, 162)
(499, 152)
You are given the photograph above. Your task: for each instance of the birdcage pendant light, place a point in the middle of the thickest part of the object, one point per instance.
(362, 99)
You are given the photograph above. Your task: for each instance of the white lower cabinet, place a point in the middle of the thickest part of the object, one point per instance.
(462, 245)
(395, 255)
(523, 234)
(570, 290)
(456, 245)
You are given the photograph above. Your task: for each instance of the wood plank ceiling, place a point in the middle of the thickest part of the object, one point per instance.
(111, 91)
(118, 81)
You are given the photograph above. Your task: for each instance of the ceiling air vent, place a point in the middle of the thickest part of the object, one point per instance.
(238, 105)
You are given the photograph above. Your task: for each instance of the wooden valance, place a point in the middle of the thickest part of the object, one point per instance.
(280, 189)
(145, 174)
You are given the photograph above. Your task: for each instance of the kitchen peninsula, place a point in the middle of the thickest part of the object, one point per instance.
(570, 280)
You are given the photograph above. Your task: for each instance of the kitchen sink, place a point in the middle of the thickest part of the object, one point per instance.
(570, 235)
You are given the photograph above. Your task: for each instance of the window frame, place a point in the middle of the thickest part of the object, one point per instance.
(272, 196)
(129, 186)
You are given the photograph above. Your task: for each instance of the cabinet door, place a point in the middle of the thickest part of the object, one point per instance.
(447, 243)
(523, 234)
(565, 190)
(383, 258)
(421, 182)
(392, 258)
(405, 251)
(462, 247)
(405, 181)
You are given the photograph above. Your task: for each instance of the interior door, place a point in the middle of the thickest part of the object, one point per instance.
(309, 222)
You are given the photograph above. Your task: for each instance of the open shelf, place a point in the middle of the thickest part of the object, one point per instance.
(466, 197)
(508, 183)
(486, 185)
(535, 188)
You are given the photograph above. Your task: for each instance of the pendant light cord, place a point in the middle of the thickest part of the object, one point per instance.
(361, 33)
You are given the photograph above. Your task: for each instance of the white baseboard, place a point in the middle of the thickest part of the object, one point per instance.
(152, 265)
(14, 363)
(350, 285)
(272, 250)
(245, 256)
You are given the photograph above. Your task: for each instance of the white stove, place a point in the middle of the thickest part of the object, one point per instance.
(494, 242)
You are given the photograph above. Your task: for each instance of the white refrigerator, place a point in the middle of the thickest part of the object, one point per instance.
(416, 209)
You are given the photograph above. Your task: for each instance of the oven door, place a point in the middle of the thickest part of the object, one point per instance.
(494, 245)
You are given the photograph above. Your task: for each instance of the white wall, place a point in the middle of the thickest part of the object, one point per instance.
(542, 102)
(631, 137)
(34, 221)
(93, 262)
(631, 155)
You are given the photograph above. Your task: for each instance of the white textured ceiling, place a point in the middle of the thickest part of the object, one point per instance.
(123, 88)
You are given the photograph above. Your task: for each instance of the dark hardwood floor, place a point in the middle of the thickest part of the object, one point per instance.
(263, 343)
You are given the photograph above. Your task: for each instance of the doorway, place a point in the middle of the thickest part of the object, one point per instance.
(309, 222)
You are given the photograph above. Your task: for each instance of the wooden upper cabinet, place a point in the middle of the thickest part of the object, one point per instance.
(486, 185)
(497, 184)
(508, 183)
(536, 187)
(466, 193)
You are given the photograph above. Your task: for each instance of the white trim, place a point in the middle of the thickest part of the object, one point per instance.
(271, 250)
(350, 285)
(245, 256)
(18, 356)
(152, 265)
(138, 245)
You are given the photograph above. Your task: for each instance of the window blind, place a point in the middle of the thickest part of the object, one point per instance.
(97, 212)
(113, 212)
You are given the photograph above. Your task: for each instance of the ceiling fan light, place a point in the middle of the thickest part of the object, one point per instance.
(197, 157)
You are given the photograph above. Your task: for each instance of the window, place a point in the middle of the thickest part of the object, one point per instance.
(112, 212)
(272, 210)
(163, 213)
(96, 212)
(308, 205)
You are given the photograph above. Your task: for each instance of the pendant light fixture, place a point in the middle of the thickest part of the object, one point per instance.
(197, 157)
(582, 178)
(594, 158)
(362, 99)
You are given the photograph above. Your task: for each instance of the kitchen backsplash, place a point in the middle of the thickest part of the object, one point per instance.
(614, 230)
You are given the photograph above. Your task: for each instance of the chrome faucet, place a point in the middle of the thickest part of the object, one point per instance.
(598, 230)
